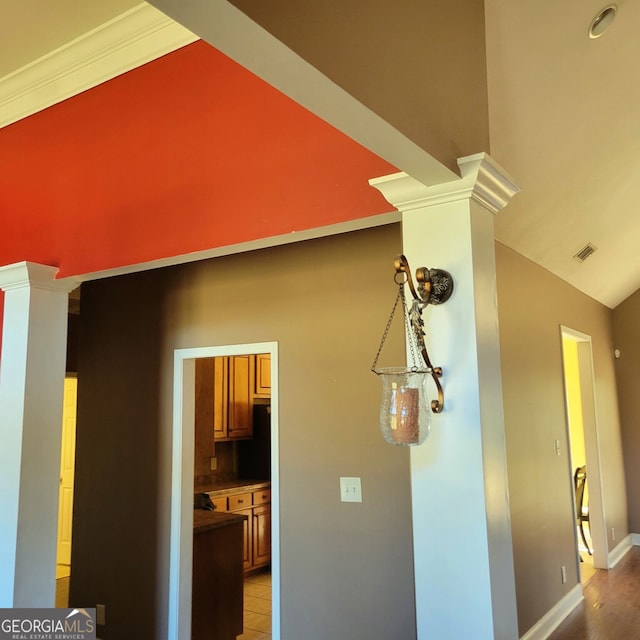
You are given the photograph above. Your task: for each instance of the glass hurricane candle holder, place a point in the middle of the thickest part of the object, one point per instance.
(405, 416)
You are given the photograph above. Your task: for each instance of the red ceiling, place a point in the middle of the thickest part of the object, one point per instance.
(186, 153)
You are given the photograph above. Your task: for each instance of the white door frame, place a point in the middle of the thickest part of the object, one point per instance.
(181, 532)
(597, 520)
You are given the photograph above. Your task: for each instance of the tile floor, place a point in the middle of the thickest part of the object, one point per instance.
(257, 603)
(257, 607)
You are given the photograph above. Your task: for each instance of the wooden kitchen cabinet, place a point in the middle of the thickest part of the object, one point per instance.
(224, 396)
(217, 577)
(263, 375)
(220, 390)
(240, 406)
(256, 505)
(261, 536)
(247, 556)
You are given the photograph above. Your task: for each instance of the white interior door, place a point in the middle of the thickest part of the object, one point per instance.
(67, 459)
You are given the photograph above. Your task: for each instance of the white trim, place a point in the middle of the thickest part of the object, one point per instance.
(243, 247)
(181, 528)
(554, 617)
(635, 539)
(618, 552)
(31, 274)
(597, 510)
(129, 40)
(231, 31)
(483, 180)
(576, 336)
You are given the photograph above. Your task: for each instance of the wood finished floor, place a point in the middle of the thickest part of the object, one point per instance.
(611, 606)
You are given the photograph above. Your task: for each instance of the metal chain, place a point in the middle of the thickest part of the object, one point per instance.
(389, 321)
(408, 330)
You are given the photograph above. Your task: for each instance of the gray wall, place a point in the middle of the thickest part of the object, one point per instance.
(346, 569)
(532, 305)
(419, 65)
(626, 332)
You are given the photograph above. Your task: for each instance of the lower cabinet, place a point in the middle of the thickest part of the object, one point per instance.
(217, 590)
(256, 505)
(247, 563)
(261, 536)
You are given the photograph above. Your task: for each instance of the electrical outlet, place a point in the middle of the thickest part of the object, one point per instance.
(613, 533)
(350, 490)
(557, 447)
(563, 574)
(214, 464)
(101, 614)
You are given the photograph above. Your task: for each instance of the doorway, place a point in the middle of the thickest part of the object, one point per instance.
(181, 544)
(232, 474)
(584, 455)
(65, 500)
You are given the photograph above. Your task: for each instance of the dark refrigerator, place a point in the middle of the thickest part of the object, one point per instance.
(254, 456)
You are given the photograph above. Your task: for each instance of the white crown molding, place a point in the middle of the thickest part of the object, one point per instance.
(31, 274)
(131, 39)
(482, 180)
(292, 237)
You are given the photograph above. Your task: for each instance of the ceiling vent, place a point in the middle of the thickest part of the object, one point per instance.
(585, 252)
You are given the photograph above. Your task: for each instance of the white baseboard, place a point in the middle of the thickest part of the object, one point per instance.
(552, 619)
(618, 552)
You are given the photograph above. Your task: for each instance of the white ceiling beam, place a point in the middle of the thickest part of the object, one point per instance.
(233, 33)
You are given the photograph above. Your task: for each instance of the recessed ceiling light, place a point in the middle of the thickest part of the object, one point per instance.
(602, 21)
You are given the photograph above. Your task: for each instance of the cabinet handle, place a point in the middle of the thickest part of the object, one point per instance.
(264, 497)
(240, 501)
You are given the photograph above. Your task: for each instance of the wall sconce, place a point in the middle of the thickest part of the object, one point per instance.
(404, 413)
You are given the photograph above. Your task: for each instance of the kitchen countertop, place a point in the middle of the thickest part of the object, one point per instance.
(233, 486)
(204, 520)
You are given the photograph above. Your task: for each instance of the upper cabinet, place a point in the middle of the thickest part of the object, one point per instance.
(241, 381)
(263, 375)
(225, 389)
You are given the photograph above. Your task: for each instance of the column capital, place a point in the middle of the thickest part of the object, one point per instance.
(482, 179)
(31, 274)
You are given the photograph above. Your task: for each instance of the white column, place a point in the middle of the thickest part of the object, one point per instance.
(463, 555)
(32, 370)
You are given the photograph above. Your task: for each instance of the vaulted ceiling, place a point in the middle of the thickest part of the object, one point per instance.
(557, 109)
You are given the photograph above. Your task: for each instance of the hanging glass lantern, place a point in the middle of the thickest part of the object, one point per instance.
(405, 417)
(405, 413)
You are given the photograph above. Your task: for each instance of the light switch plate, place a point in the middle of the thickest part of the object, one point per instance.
(350, 490)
